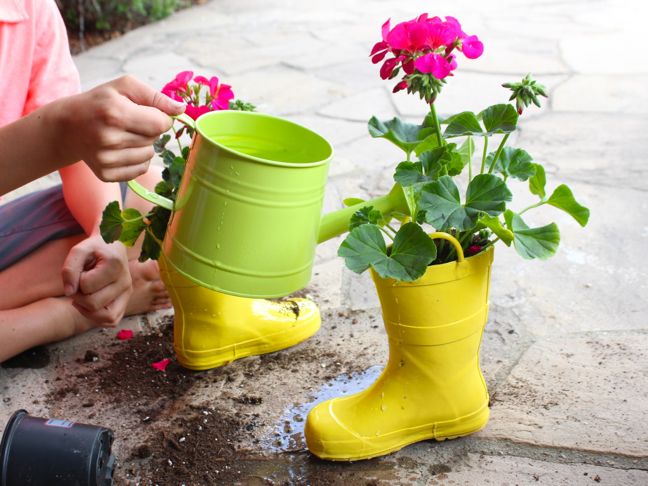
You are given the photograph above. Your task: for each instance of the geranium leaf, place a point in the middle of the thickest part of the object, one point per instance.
(125, 226)
(499, 118)
(160, 143)
(401, 134)
(441, 161)
(538, 181)
(562, 198)
(513, 162)
(532, 243)
(413, 250)
(488, 194)
(132, 226)
(409, 173)
(441, 205)
(410, 255)
(494, 224)
(366, 215)
(111, 222)
(429, 142)
(464, 123)
(158, 218)
(363, 247)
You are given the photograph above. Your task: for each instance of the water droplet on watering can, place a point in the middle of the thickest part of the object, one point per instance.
(401, 363)
(383, 407)
(217, 245)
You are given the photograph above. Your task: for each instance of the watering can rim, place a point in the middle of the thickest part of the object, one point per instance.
(195, 124)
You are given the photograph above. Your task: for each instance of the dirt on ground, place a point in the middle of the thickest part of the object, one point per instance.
(177, 426)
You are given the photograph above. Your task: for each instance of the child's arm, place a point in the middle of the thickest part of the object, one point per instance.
(111, 127)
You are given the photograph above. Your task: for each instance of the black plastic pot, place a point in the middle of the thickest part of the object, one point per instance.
(50, 452)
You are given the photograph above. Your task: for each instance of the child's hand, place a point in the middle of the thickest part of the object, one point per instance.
(96, 276)
(113, 126)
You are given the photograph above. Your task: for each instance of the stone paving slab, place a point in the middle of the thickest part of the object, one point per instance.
(579, 392)
(564, 350)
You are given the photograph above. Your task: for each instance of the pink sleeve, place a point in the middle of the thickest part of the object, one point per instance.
(54, 74)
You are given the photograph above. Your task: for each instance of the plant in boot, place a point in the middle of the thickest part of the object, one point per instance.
(431, 266)
(210, 328)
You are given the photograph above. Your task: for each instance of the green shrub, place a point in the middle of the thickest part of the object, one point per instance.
(90, 16)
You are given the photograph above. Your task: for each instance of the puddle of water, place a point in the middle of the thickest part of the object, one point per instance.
(288, 435)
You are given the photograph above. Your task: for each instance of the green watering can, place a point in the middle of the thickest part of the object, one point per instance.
(246, 219)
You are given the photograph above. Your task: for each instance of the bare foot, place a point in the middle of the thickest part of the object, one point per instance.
(149, 293)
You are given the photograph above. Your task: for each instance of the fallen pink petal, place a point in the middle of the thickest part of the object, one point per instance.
(162, 364)
(125, 335)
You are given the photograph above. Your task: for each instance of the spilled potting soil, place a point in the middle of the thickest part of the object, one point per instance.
(213, 427)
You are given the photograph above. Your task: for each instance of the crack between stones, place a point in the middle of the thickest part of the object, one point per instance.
(562, 455)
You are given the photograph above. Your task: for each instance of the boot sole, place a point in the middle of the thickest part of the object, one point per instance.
(220, 357)
(439, 431)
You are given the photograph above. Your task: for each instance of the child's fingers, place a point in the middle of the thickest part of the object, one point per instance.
(75, 262)
(143, 94)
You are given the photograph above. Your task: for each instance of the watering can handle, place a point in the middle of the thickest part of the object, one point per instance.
(448, 237)
(154, 197)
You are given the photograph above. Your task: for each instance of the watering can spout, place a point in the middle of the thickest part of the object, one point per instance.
(337, 222)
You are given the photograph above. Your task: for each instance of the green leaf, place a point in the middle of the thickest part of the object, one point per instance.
(158, 218)
(466, 151)
(513, 162)
(412, 252)
(366, 215)
(538, 181)
(441, 161)
(441, 205)
(363, 247)
(352, 201)
(409, 173)
(494, 224)
(488, 194)
(401, 134)
(111, 222)
(532, 243)
(499, 118)
(464, 123)
(410, 255)
(429, 142)
(132, 226)
(562, 198)
(160, 143)
(125, 226)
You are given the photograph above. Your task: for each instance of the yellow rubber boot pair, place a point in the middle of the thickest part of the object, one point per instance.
(432, 386)
(212, 329)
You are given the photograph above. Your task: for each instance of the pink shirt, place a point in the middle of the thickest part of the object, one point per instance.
(35, 62)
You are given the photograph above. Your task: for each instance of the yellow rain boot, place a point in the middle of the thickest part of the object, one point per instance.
(212, 329)
(432, 386)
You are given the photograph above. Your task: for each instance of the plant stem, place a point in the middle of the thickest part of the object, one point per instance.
(470, 169)
(437, 127)
(386, 232)
(483, 164)
(532, 206)
(490, 243)
(391, 228)
(499, 151)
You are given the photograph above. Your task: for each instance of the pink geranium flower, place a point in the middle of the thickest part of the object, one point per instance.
(216, 97)
(472, 47)
(423, 45)
(435, 64)
(178, 87)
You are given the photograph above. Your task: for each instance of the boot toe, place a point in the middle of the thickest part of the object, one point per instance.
(328, 437)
